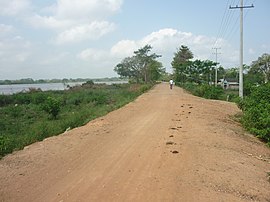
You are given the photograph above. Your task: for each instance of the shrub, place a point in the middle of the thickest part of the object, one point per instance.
(145, 88)
(206, 91)
(52, 106)
(5, 145)
(5, 100)
(256, 111)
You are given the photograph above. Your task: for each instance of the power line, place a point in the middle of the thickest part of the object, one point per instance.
(241, 7)
(221, 25)
(228, 16)
(234, 27)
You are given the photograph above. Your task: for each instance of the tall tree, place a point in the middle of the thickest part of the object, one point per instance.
(200, 71)
(144, 60)
(262, 65)
(180, 62)
(142, 66)
(155, 70)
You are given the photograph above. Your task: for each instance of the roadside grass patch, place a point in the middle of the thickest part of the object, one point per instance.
(34, 116)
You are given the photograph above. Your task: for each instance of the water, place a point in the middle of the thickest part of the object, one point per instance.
(16, 88)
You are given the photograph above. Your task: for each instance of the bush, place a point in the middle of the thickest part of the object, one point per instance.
(5, 145)
(52, 106)
(206, 91)
(145, 88)
(256, 111)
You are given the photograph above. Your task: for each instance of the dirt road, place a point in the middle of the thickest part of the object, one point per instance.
(165, 146)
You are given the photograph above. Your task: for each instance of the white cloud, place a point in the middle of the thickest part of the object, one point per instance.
(72, 21)
(14, 7)
(54, 58)
(14, 50)
(49, 22)
(93, 55)
(65, 14)
(124, 48)
(86, 9)
(6, 30)
(165, 42)
(91, 31)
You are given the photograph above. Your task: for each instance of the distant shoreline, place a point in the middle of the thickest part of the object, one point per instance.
(9, 89)
(43, 81)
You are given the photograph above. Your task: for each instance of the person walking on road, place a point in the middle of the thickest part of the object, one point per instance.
(171, 83)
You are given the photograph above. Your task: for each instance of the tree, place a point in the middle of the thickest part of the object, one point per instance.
(232, 73)
(221, 72)
(141, 66)
(128, 68)
(155, 70)
(200, 71)
(180, 62)
(262, 65)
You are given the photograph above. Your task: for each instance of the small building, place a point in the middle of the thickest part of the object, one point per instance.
(229, 83)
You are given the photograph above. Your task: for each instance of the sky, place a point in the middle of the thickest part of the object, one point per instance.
(88, 38)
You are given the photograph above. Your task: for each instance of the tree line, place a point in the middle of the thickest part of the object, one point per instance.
(64, 80)
(143, 66)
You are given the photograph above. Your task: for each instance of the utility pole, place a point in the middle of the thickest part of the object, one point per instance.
(216, 75)
(241, 7)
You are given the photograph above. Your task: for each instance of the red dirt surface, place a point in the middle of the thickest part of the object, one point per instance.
(165, 146)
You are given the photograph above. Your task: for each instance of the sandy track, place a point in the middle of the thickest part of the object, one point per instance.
(165, 146)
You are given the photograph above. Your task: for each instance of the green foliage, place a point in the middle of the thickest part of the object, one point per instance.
(24, 119)
(145, 88)
(210, 92)
(180, 62)
(197, 71)
(52, 106)
(206, 91)
(256, 111)
(89, 84)
(5, 145)
(262, 65)
(141, 66)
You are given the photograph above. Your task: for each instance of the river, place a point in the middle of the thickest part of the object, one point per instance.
(16, 88)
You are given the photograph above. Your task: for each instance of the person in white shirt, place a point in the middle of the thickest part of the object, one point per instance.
(171, 83)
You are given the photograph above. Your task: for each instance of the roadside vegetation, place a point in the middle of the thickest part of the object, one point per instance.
(256, 111)
(198, 76)
(36, 115)
(142, 67)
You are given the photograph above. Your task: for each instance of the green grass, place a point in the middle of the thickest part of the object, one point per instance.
(25, 118)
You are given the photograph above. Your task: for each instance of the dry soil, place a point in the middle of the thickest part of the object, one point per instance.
(167, 145)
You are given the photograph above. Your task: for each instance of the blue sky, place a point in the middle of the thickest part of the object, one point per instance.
(87, 38)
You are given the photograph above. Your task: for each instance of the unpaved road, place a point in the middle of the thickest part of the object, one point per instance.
(165, 146)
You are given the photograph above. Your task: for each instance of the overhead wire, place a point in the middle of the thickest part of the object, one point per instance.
(226, 20)
(222, 21)
(229, 23)
(235, 26)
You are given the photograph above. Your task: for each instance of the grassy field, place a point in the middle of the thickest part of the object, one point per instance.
(29, 117)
